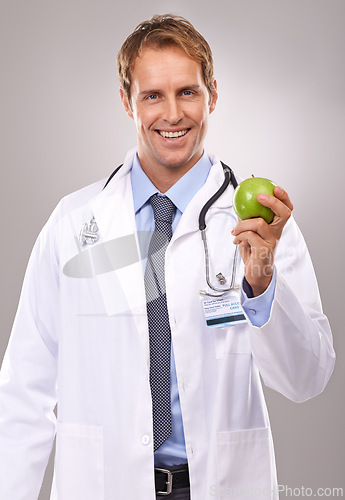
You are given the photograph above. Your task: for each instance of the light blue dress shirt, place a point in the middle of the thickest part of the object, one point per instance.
(173, 450)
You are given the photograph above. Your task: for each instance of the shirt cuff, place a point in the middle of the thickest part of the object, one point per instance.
(258, 309)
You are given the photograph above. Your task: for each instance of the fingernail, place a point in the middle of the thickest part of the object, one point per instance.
(233, 231)
(280, 190)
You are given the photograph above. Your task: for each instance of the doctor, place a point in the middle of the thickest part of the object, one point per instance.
(82, 337)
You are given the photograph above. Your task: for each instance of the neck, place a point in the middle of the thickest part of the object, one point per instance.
(163, 182)
(163, 177)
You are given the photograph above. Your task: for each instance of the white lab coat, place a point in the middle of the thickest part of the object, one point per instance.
(80, 337)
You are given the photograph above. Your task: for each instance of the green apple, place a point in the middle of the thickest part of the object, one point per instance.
(244, 199)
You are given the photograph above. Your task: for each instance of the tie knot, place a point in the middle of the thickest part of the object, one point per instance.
(163, 208)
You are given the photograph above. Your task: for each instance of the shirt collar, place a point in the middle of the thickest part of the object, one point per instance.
(180, 193)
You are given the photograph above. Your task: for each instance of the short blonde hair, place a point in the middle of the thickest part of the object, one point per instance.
(161, 31)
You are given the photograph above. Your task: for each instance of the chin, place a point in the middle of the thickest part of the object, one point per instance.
(179, 161)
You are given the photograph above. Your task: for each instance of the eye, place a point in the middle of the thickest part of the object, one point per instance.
(187, 92)
(152, 97)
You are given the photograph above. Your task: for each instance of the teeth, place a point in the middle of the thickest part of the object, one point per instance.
(173, 134)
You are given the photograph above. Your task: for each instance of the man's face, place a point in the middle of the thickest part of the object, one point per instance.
(170, 105)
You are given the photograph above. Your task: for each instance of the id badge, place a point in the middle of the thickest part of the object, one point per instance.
(223, 311)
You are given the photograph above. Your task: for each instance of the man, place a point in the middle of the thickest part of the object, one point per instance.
(158, 394)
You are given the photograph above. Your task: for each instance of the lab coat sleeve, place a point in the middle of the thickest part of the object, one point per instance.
(293, 350)
(28, 379)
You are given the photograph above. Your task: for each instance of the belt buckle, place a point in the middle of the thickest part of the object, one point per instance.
(168, 482)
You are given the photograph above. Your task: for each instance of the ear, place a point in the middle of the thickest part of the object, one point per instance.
(125, 103)
(214, 97)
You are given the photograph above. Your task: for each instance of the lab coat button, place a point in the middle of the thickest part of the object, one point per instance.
(145, 439)
(252, 311)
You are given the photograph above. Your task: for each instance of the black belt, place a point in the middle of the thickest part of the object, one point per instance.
(171, 478)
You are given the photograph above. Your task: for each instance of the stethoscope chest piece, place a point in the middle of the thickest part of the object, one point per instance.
(221, 278)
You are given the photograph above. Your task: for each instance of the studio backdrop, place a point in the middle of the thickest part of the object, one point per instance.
(280, 114)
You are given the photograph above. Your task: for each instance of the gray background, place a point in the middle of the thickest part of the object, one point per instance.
(280, 114)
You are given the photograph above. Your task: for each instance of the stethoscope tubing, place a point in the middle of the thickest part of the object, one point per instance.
(229, 177)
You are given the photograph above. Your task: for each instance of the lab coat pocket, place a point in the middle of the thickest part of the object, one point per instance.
(79, 462)
(231, 340)
(245, 464)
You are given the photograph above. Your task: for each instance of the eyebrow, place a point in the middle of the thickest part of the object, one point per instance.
(180, 89)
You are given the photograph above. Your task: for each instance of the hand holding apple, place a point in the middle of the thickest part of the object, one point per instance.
(257, 239)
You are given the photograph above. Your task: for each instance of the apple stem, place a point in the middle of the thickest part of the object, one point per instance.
(253, 176)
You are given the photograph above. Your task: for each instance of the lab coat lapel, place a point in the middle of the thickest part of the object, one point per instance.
(121, 284)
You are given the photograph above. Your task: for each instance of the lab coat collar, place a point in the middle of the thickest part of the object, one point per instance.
(113, 207)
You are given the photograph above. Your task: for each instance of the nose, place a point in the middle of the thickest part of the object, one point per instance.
(173, 111)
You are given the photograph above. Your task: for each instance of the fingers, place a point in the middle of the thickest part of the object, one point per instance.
(280, 204)
(250, 242)
(251, 229)
(282, 195)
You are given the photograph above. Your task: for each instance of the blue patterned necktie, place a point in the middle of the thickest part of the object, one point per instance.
(158, 318)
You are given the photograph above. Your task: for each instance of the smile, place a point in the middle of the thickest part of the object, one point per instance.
(172, 135)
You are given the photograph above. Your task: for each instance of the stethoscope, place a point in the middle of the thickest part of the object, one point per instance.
(89, 236)
(229, 177)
